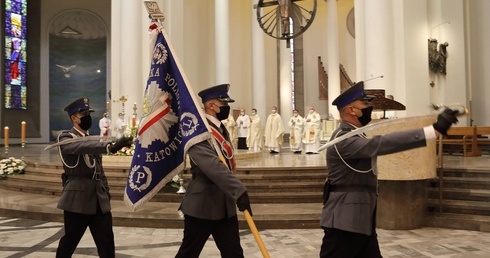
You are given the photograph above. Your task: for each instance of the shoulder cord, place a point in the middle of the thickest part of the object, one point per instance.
(356, 170)
(217, 148)
(212, 141)
(85, 156)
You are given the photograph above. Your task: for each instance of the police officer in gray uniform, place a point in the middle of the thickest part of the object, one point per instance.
(209, 202)
(85, 199)
(350, 195)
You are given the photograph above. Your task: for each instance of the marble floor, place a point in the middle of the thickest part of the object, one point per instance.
(38, 239)
(32, 238)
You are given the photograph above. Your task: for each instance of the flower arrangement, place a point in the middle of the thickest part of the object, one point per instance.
(175, 182)
(11, 166)
(125, 151)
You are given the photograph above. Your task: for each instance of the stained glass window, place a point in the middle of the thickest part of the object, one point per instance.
(15, 54)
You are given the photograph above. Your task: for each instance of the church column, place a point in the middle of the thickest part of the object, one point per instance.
(389, 43)
(374, 43)
(127, 56)
(333, 69)
(222, 41)
(174, 26)
(392, 43)
(115, 59)
(258, 67)
(285, 104)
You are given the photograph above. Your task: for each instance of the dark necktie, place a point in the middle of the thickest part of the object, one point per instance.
(224, 131)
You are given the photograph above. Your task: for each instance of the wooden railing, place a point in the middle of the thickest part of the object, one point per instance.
(468, 137)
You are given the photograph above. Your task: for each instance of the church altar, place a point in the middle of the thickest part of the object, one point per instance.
(125, 161)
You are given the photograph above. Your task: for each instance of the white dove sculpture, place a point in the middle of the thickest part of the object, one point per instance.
(67, 69)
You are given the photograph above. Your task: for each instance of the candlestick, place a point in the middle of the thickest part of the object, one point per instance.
(133, 121)
(6, 136)
(181, 186)
(134, 109)
(23, 137)
(123, 99)
(23, 131)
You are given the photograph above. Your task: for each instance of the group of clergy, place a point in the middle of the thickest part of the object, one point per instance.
(246, 131)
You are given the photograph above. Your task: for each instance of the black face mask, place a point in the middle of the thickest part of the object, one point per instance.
(366, 115)
(85, 122)
(224, 112)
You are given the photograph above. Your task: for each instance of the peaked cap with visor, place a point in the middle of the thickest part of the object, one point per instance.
(355, 92)
(219, 92)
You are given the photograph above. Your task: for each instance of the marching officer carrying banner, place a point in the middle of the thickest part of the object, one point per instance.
(171, 123)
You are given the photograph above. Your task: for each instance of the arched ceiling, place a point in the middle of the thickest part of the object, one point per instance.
(78, 24)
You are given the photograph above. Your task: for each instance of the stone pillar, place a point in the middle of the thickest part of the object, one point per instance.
(222, 41)
(285, 82)
(402, 204)
(333, 70)
(376, 44)
(129, 63)
(174, 25)
(258, 67)
(115, 60)
(404, 178)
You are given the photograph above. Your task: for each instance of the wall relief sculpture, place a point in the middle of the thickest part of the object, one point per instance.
(437, 58)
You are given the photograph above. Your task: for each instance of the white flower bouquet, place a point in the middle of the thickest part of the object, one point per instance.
(11, 166)
(175, 182)
(125, 151)
(129, 131)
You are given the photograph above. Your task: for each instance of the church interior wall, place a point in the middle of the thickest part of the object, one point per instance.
(195, 46)
(174, 24)
(410, 84)
(314, 46)
(347, 43)
(414, 72)
(455, 85)
(13, 118)
(49, 9)
(241, 54)
(480, 54)
(448, 25)
(272, 84)
(199, 62)
(198, 54)
(434, 18)
(114, 61)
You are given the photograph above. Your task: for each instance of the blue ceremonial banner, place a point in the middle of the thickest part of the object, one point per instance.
(171, 123)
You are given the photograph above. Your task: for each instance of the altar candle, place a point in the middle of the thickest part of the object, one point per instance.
(6, 136)
(134, 105)
(107, 106)
(133, 121)
(23, 131)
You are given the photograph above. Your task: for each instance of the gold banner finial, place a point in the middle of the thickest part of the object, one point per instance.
(154, 11)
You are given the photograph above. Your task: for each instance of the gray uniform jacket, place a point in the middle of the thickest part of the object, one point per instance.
(214, 189)
(86, 183)
(353, 210)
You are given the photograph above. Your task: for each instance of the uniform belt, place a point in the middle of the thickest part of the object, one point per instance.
(353, 188)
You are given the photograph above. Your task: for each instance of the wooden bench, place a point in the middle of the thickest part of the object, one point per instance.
(465, 136)
(483, 140)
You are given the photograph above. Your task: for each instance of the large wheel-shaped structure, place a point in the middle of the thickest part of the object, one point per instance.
(285, 19)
